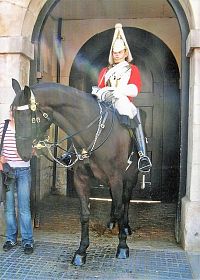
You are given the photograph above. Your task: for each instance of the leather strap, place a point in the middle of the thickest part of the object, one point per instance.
(3, 134)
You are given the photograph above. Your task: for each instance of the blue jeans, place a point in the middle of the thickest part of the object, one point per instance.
(22, 185)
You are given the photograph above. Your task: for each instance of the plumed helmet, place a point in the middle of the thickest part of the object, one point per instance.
(119, 43)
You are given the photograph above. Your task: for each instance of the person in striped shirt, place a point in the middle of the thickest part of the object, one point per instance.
(21, 185)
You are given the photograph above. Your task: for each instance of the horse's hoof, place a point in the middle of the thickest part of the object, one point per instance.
(110, 225)
(128, 230)
(122, 253)
(79, 260)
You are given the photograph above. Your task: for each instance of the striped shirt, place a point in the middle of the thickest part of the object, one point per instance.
(9, 150)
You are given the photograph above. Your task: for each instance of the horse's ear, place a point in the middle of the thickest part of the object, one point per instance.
(16, 86)
(27, 92)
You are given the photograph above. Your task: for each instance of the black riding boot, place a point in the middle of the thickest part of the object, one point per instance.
(144, 162)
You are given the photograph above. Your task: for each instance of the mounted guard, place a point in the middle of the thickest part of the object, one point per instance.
(119, 83)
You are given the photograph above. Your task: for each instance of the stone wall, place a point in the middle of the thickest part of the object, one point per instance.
(16, 50)
(191, 202)
(18, 18)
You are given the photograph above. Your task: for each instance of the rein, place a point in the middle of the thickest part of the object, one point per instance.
(86, 153)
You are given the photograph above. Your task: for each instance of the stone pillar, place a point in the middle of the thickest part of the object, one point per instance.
(15, 55)
(190, 221)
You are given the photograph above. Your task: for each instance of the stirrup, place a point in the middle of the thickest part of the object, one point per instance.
(144, 164)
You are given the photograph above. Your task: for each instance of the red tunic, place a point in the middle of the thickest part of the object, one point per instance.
(134, 78)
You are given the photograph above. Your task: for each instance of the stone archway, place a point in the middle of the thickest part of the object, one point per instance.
(176, 6)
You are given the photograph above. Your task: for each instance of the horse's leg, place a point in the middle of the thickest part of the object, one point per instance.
(129, 184)
(117, 192)
(81, 181)
(112, 221)
(127, 192)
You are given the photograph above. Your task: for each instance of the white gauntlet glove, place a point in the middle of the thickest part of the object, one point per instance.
(104, 94)
(95, 90)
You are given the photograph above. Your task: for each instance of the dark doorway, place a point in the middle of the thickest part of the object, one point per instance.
(159, 101)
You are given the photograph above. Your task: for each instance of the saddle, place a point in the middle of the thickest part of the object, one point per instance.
(127, 122)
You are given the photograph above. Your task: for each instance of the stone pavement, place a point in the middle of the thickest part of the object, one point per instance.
(154, 253)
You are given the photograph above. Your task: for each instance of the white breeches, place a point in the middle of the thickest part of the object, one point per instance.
(125, 107)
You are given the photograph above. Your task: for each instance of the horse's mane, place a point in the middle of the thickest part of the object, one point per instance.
(57, 86)
(63, 90)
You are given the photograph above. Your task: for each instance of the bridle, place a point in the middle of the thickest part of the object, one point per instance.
(85, 153)
(36, 114)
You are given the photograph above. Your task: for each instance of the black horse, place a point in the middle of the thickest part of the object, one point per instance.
(98, 140)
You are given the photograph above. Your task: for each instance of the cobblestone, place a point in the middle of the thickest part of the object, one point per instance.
(154, 254)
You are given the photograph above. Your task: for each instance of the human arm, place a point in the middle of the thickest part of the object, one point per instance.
(130, 90)
(102, 91)
(2, 161)
(103, 94)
